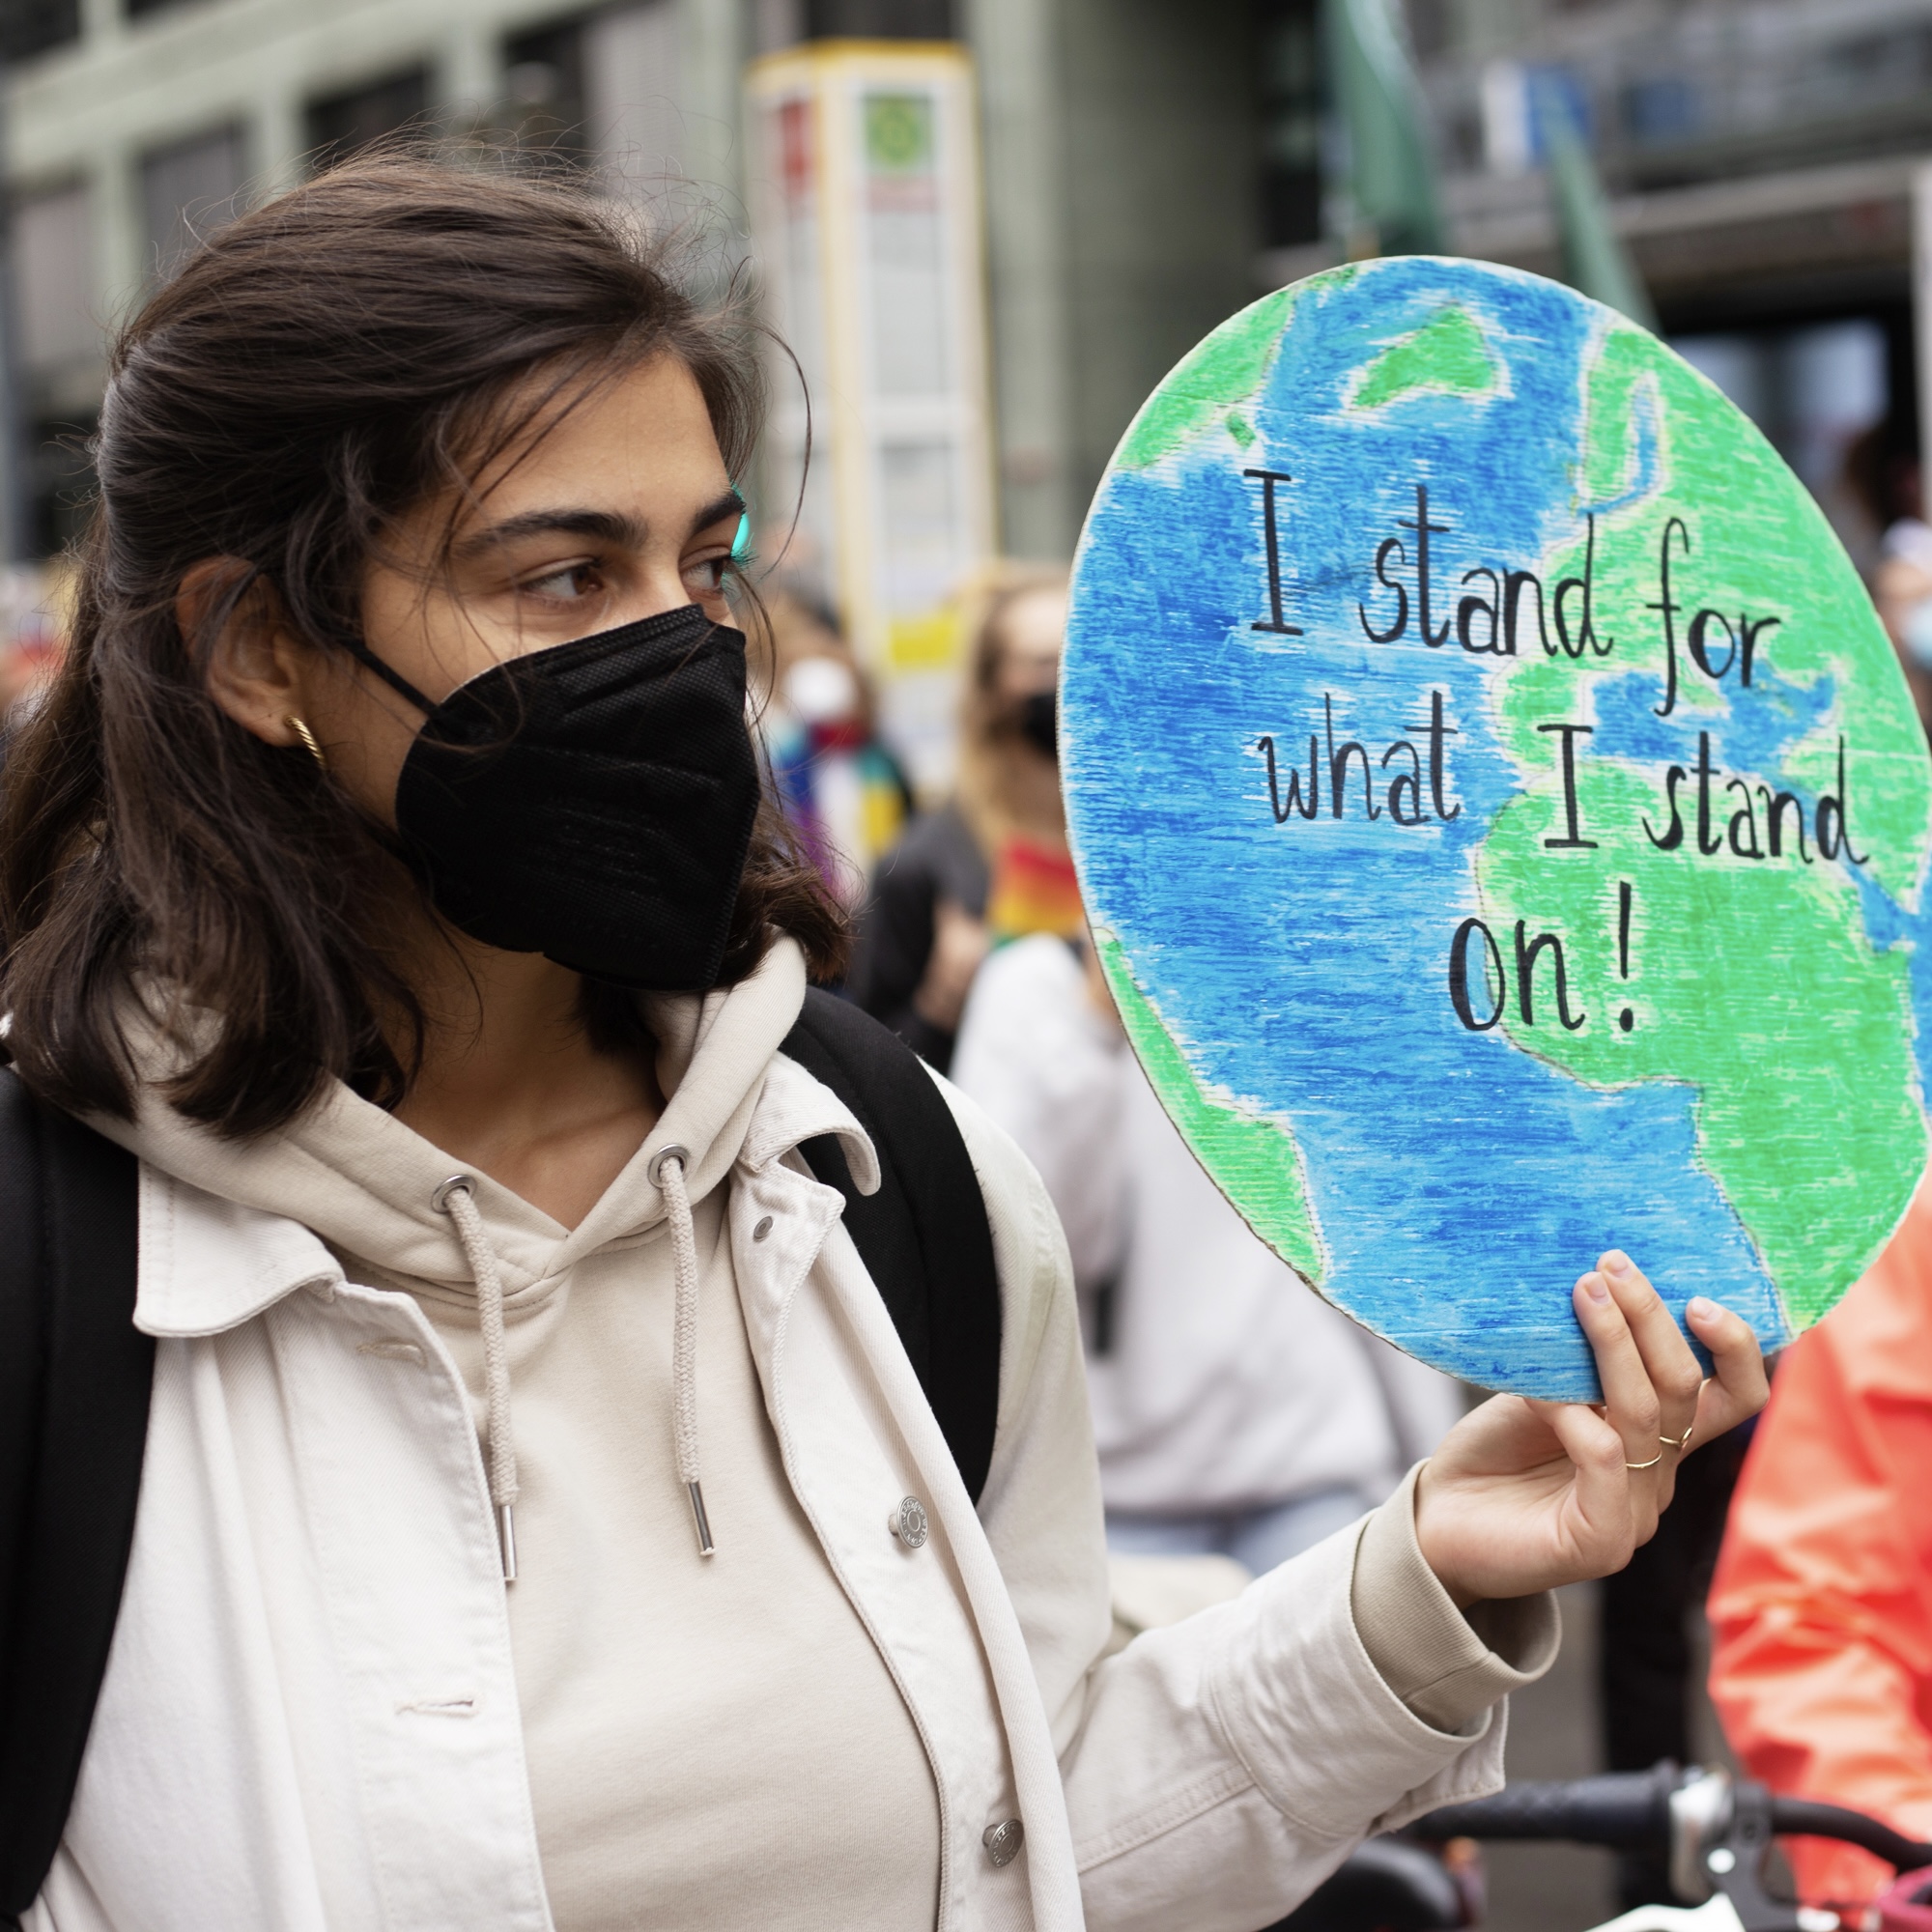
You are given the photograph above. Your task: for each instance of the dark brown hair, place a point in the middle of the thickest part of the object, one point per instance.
(324, 365)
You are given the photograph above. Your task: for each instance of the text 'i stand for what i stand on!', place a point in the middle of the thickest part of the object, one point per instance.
(1498, 613)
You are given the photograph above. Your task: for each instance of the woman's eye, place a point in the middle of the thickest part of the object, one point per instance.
(573, 580)
(708, 575)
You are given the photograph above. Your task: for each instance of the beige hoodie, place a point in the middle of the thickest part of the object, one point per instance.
(677, 1709)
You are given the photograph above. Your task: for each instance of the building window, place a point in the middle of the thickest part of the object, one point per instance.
(60, 347)
(543, 81)
(777, 24)
(53, 282)
(188, 189)
(1290, 106)
(879, 19)
(30, 27)
(600, 92)
(631, 84)
(1432, 27)
(341, 124)
(1660, 110)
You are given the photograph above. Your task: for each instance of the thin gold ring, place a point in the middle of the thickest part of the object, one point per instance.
(1651, 1465)
(1683, 1442)
(307, 738)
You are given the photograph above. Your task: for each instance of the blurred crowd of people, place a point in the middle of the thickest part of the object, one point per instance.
(33, 632)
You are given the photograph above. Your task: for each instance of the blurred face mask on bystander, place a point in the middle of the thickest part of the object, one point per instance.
(1032, 628)
(1040, 722)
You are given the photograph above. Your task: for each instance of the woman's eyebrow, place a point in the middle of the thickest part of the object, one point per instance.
(606, 525)
(730, 504)
(610, 527)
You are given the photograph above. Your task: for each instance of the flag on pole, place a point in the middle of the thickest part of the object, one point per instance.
(1594, 261)
(1391, 174)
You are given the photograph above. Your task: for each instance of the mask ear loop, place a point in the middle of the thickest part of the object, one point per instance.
(396, 681)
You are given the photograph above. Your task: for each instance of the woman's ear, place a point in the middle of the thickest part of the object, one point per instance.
(254, 667)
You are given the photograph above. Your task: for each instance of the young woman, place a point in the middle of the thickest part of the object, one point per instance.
(523, 1535)
(993, 864)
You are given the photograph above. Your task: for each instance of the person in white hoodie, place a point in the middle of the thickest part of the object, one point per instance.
(541, 1524)
(1236, 1413)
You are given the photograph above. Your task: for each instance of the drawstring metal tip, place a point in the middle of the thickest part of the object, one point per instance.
(705, 1546)
(507, 1535)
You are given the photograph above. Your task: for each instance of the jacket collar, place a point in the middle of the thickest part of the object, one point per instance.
(209, 1265)
(796, 1106)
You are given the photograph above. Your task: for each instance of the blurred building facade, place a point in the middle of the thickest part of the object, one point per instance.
(1146, 168)
(1117, 135)
(1762, 157)
(131, 123)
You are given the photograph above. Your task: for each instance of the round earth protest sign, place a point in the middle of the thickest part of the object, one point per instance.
(1502, 817)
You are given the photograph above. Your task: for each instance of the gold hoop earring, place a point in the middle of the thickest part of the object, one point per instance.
(307, 738)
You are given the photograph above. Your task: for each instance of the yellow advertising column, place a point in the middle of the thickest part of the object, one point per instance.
(865, 218)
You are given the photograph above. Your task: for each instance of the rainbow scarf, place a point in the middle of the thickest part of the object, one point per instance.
(1034, 890)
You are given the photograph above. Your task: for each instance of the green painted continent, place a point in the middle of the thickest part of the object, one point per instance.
(1221, 374)
(1751, 982)
(1448, 356)
(1748, 542)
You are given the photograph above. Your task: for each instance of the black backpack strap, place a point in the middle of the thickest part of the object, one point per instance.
(923, 1237)
(75, 1375)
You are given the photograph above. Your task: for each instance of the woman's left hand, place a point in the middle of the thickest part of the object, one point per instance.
(1527, 1496)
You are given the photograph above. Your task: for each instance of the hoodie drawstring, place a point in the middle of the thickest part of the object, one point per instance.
(456, 1198)
(667, 1173)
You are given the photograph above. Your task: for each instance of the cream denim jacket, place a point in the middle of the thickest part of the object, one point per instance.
(372, 1774)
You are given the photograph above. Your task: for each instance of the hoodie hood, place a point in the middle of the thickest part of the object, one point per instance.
(366, 1184)
(375, 1190)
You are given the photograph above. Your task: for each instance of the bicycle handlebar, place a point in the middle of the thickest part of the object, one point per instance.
(1715, 1832)
(1622, 1808)
(1631, 1809)
(1804, 1819)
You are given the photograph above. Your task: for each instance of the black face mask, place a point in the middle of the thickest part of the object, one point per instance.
(1039, 723)
(592, 802)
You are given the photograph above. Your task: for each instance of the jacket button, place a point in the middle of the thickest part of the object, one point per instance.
(763, 1228)
(908, 1522)
(1003, 1841)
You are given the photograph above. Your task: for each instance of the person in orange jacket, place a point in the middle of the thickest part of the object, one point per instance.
(1821, 1607)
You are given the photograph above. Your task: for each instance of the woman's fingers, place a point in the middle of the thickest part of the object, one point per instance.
(1631, 1402)
(1738, 1388)
(1654, 1390)
(1675, 1374)
(1500, 1514)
